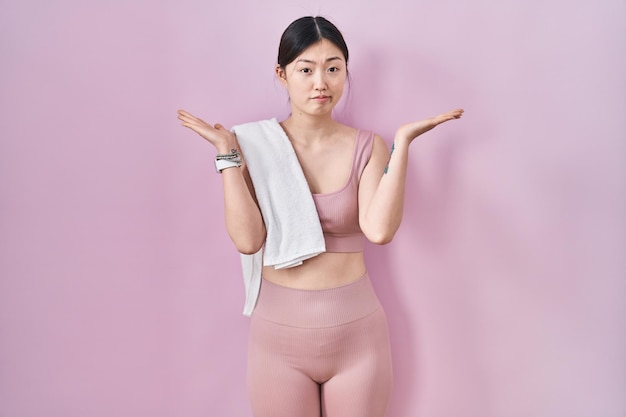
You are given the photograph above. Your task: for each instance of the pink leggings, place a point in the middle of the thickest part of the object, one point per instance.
(319, 353)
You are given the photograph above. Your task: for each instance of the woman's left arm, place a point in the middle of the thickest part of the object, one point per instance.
(382, 185)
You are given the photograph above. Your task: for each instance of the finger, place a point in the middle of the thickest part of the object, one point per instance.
(185, 116)
(190, 126)
(182, 117)
(184, 113)
(454, 114)
(189, 120)
(195, 123)
(189, 116)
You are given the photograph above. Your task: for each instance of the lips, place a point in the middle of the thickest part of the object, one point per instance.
(321, 98)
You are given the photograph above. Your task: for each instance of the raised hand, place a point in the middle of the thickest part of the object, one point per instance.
(412, 130)
(220, 137)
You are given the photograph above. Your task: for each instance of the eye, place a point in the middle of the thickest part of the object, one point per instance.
(305, 70)
(333, 69)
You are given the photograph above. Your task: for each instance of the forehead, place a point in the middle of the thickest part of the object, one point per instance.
(321, 51)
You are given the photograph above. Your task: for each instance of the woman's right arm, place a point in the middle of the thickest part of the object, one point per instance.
(243, 217)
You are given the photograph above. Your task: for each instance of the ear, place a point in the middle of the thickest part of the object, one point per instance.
(281, 75)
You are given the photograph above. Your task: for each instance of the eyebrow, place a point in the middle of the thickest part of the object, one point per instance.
(309, 61)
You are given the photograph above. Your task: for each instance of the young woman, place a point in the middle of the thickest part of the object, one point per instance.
(318, 338)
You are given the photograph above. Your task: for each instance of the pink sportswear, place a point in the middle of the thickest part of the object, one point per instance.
(339, 211)
(319, 353)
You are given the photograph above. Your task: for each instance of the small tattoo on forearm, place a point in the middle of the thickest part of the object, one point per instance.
(393, 146)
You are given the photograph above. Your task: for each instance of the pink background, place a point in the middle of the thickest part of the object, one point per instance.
(121, 296)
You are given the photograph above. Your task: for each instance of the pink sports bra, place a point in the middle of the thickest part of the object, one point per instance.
(339, 211)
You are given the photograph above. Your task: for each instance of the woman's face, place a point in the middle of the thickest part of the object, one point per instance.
(315, 79)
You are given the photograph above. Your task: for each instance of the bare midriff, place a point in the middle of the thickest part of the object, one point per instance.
(326, 270)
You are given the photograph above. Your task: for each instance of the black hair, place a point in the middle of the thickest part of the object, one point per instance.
(304, 32)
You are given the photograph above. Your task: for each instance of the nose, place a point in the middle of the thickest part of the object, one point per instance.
(320, 81)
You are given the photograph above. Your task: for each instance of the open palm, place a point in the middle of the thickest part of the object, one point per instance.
(217, 135)
(412, 130)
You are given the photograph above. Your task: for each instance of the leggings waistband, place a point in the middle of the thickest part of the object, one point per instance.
(316, 308)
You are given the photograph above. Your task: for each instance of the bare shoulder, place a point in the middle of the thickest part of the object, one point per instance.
(346, 132)
(380, 150)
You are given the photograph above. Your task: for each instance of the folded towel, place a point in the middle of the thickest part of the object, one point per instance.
(294, 232)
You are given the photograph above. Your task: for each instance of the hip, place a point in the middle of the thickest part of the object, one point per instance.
(320, 308)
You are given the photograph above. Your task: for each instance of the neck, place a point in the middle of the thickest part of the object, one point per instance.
(307, 128)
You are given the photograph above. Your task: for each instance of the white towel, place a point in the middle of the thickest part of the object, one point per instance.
(294, 232)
